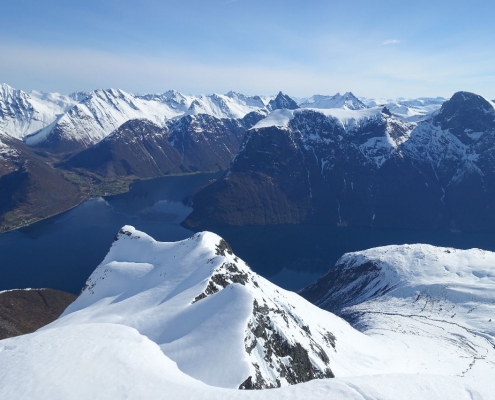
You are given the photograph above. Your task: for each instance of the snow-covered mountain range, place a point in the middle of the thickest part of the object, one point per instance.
(68, 123)
(364, 167)
(190, 319)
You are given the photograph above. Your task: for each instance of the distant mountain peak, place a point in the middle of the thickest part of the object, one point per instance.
(466, 113)
(347, 101)
(282, 101)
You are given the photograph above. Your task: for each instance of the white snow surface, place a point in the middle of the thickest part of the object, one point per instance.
(108, 361)
(23, 113)
(347, 118)
(411, 110)
(139, 331)
(435, 306)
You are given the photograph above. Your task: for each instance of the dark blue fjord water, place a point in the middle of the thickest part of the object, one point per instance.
(62, 251)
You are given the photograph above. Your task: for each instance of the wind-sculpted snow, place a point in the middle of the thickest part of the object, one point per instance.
(190, 320)
(109, 361)
(220, 322)
(438, 302)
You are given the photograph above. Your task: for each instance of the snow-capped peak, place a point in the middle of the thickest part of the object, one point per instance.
(218, 320)
(347, 101)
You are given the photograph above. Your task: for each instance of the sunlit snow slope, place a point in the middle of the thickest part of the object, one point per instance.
(221, 323)
(434, 306)
(190, 320)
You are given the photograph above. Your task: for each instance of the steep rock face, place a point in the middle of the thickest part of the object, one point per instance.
(282, 101)
(275, 191)
(206, 142)
(220, 322)
(315, 169)
(365, 167)
(24, 311)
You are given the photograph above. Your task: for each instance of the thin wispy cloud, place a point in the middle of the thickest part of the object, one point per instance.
(391, 41)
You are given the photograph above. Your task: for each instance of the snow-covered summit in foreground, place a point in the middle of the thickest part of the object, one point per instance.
(219, 321)
(438, 302)
(189, 320)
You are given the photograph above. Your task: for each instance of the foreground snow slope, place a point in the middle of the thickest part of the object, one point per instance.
(221, 323)
(110, 361)
(435, 306)
(190, 320)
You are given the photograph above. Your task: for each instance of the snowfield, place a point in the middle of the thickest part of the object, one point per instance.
(190, 320)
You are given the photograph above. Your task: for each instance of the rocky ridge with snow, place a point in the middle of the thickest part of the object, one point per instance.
(346, 101)
(361, 167)
(177, 293)
(61, 123)
(191, 320)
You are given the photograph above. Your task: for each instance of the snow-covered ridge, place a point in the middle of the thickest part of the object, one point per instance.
(172, 320)
(220, 322)
(412, 110)
(89, 117)
(346, 117)
(23, 113)
(439, 300)
(347, 101)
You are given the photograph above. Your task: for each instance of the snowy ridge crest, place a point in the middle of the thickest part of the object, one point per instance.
(419, 294)
(176, 293)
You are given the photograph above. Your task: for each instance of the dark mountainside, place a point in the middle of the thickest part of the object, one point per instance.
(381, 172)
(142, 149)
(36, 184)
(24, 311)
(282, 101)
(31, 189)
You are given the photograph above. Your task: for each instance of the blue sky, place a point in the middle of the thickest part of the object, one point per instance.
(372, 48)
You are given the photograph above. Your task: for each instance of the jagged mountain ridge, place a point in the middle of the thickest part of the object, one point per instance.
(363, 167)
(70, 123)
(103, 111)
(24, 113)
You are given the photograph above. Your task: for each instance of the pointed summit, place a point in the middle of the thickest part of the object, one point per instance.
(282, 101)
